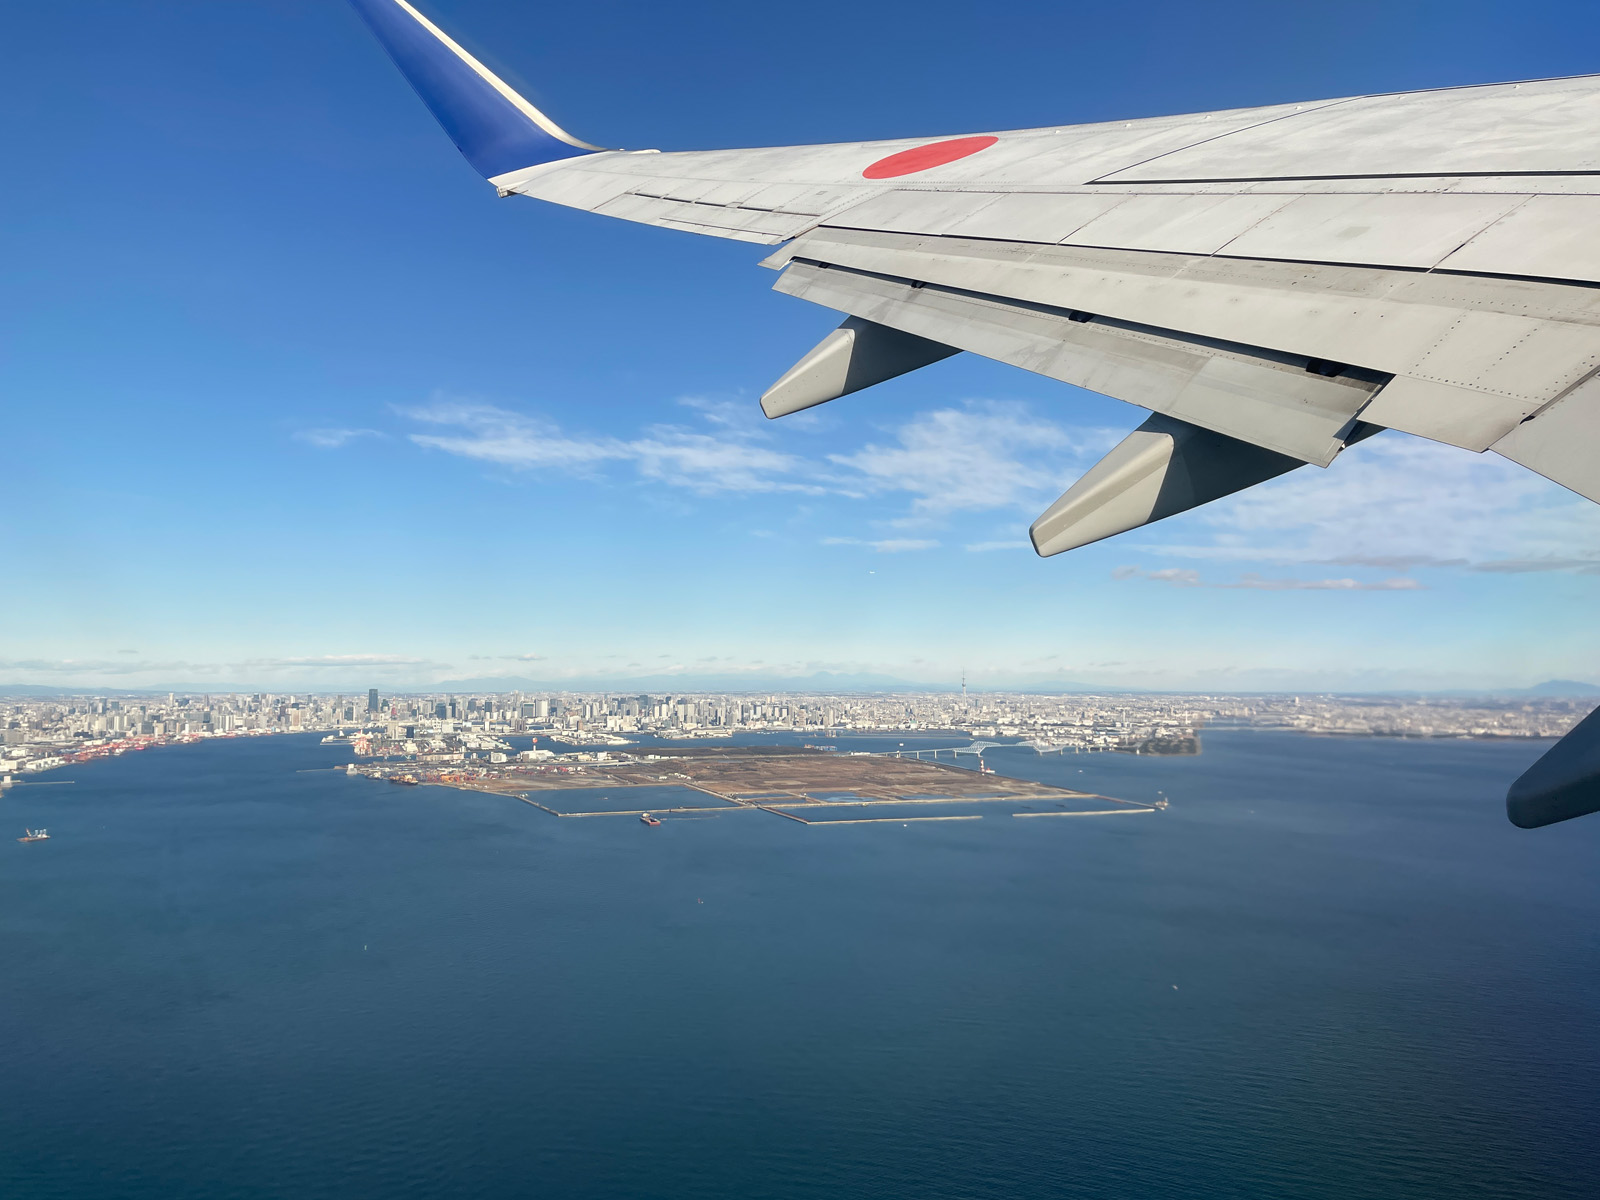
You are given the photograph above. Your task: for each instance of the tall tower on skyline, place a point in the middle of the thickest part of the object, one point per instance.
(372, 700)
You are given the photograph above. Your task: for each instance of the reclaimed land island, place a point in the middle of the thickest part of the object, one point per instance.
(809, 785)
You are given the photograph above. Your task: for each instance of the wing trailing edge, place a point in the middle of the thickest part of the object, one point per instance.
(496, 130)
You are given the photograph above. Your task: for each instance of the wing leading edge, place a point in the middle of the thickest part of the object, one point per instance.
(1273, 283)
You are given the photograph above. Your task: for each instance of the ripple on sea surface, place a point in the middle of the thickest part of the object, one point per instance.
(1329, 970)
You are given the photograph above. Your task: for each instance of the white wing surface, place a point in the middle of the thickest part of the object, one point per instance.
(1284, 276)
(1443, 246)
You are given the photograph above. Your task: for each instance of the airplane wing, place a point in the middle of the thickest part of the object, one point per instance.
(1273, 284)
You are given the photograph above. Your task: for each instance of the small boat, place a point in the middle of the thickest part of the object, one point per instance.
(38, 835)
(648, 819)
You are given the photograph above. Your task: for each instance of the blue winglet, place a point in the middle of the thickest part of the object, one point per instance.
(496, 129)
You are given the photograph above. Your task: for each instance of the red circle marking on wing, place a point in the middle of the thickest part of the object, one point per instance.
(921, 158)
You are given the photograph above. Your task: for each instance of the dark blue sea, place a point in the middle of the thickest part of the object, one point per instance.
(1330, 969)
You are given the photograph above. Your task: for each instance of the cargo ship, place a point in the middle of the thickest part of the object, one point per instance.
(35, 835)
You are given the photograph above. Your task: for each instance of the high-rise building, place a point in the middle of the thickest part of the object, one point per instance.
(372, 700)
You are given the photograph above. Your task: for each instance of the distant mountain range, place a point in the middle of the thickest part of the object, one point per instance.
(1562, 687)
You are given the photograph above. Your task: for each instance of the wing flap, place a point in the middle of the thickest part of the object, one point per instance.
(1269, 400)
(1559, 443)
(1446, 412)
(1519, 341)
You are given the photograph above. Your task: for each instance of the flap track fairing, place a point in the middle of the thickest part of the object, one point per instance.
(1163, 468)
(856, 355)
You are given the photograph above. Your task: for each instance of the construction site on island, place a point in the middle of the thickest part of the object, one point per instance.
(810, 785)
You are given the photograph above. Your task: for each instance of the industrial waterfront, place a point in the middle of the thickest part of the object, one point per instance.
(469, 731)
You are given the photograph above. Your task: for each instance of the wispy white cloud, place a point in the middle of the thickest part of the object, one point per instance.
(1393, 504)
(314, 669)
(984, 455)
(1523, 566)
(497, 435)
(1394, 562)
(885, 545)
(1177, 576)
(701, 462)
(705, 463)
(332, 439)
(1397, 503)
(1188, 577)
(86, 666)
(729, 414)
(978, 456)
(333, 660)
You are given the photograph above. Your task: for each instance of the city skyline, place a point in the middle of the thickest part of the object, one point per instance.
(469, 731)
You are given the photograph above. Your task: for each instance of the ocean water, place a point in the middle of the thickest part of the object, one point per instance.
(1330, 969)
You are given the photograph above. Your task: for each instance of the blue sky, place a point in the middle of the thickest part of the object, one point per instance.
(288, 398)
